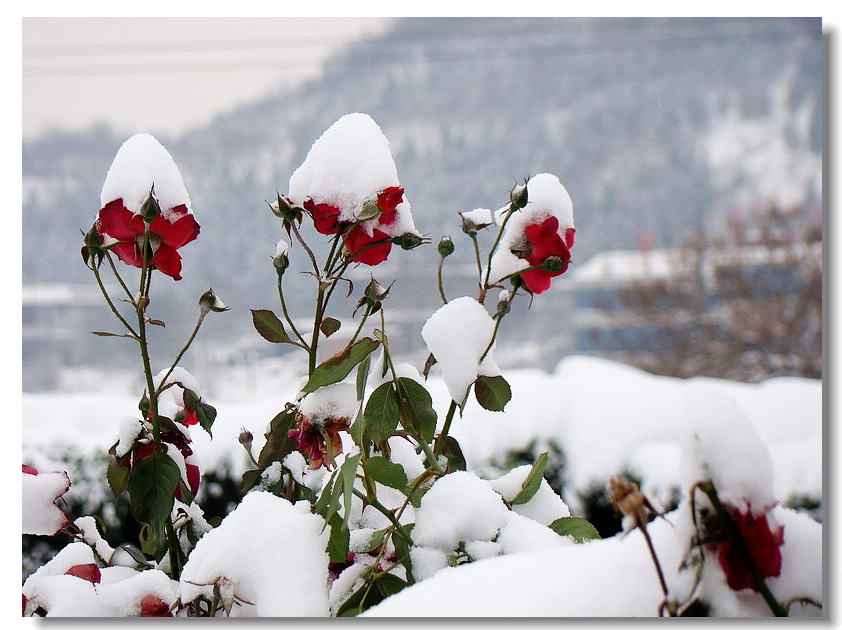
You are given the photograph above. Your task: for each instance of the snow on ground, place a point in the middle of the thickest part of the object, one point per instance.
(607, 417)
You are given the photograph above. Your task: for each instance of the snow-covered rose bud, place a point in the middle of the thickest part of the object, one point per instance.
(281, 258)
(475, 220)
(519, 196)
(446, 247)
(209, 302)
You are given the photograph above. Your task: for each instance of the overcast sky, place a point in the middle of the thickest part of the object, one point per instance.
(166, 75)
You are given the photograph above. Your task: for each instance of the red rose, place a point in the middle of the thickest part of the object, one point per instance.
(360, 248)
(152, 606)
(127, 228)
(89, 572)
(763, 545)
(543, 242)
(325, 216)
(387, 200)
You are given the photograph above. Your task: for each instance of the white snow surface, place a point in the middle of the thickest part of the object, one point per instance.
(140, 163)
(268, 558)
(347, 165)
(457, 335)
(41, 515)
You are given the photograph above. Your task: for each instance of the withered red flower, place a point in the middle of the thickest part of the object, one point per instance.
(311, 440)
(543, 242)
(153, 606)
(89, 572)
(165, 236)
(763, 544)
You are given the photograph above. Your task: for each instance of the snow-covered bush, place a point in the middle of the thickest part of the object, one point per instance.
(360, 498)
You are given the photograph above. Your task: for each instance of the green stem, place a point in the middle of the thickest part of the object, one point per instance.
(182, 351)
(441, 281)
(108, 298)
(484, 287)
(739, 544)
(451, 412)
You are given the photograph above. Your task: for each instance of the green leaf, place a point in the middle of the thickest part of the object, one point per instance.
(532, 482)
(329, 326)
(416, 407)
(340, 365)
(371, 594)
(152, 483)
(118, 477)
(269, 326)
(339, 540)
(579, 528)
(206, 414)
(388, 473)
(453, 452)
(381, 413)
(278, 444)
(362, 376)
(492, 392)
(348, 470)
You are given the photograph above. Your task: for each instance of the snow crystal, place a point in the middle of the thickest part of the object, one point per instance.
(349, 164)
(267, 555)
(722, 446)
(40, 515)
(457, 335)
(139, 164)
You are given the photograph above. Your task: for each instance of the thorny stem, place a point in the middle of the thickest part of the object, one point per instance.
(119, 279)
(484, 286)
(739, 544)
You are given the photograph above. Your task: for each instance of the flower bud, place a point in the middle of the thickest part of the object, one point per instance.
(245, 438)
(209, 302)
(504, 304)
(519, 196)
(446, 247)
(475, 220)
(376, 291)
(553, 265)
(283, 209)
(281, 259)
(409, 240)
(370, 210)
(93, 240)
(150, 208)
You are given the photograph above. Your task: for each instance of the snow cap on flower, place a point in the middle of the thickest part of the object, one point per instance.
(540, 233)
(144, 190)
(171, 401)
(457, 335)
(721, 445)
(141, 163)
(348, 177)
(40, 515)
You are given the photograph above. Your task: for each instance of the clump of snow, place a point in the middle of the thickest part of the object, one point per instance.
(547, 198)
(348, 165)
(141, 163)
(332, 401)
(171, 400)
(545, 506)
(40, 515)
(130, 428)
(477, 219)
(268, 558)
(457, 335)
(459, 507)
(723, 447)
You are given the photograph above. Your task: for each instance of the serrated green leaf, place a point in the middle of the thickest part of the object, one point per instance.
(278, 443)
(492, 392)
(151, 486)
(416, 407)
(117, 477)
(269, 326)
(532, 482)
(340, 365)
(381, 413)
(388, 473)
(338, 541)
(579, 528)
